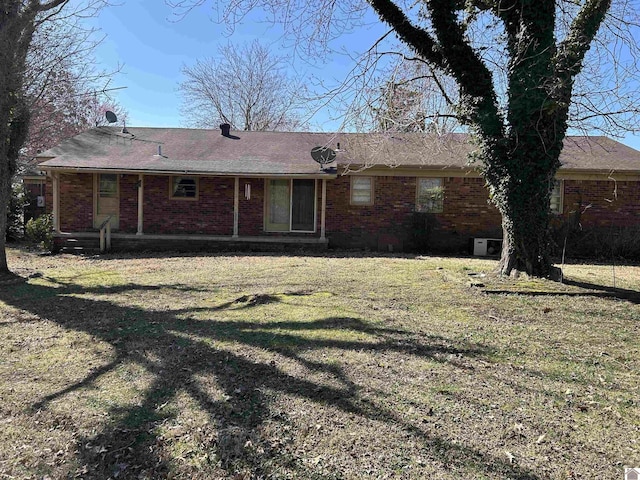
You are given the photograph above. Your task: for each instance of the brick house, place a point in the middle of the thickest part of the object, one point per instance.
(189, 189)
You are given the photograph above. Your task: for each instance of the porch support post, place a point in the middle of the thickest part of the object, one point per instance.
(236, 206)
(323, 209)
(140, 204)
(55, 208)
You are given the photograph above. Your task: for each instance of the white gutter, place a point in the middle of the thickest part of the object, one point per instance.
(187, 172)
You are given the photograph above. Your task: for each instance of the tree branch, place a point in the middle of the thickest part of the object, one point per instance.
(417, 38)
(583, 29)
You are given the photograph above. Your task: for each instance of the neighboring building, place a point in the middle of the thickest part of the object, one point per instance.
(184, 188)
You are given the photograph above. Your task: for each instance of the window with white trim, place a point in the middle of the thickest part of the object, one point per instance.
(430, 195)
(361, 190)
(555, 202)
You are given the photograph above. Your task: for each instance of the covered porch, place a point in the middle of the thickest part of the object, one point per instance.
(90, 242)
(274, 224)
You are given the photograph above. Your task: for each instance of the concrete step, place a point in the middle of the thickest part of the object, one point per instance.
(78, 245)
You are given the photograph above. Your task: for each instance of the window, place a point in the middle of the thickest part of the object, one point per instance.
(361, 190)
(430, 196)
(555, 203)
(108, 185)
(184, 187)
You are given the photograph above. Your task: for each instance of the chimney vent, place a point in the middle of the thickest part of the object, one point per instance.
(225, 129)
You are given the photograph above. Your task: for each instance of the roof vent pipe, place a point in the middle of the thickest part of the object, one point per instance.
(159, 150)
(225, 129)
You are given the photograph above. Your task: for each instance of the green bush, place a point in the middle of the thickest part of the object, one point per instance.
(40, 231)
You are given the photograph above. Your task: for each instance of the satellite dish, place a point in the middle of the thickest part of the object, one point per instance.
(323, 155)
(111, 117)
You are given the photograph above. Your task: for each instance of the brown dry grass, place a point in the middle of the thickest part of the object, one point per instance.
(254, 366)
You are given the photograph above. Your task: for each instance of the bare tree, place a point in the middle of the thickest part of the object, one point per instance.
(245, 86)
(66, 107)
(407, 96)
(65, 91)
(20, 20)
(517, 66)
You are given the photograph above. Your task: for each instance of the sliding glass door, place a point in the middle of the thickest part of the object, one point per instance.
(303, 205)
(291, 205)
(278, 209)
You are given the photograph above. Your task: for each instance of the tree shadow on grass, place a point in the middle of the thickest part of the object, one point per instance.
(591, 290)
(178, 351)
(632, 296)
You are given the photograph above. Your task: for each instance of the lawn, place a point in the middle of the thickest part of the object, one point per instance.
(268, 366)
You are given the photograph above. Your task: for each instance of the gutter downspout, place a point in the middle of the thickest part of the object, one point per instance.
(323, 210)
(55, 209)
(140, 204)
(236, 205)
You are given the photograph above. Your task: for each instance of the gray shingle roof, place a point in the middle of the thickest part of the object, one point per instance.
(189, 150)
(288, 153)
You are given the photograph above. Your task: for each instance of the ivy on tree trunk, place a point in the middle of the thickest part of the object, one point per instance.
(519, 146)
(18, 21)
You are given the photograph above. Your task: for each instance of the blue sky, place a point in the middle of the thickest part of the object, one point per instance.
(150, 46)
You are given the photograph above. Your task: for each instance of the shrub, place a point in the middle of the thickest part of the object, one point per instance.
(422, 224)
(40, 231)
(602, 243)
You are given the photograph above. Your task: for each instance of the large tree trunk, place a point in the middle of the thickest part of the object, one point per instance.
(17, 24)
(525, 245)
(5, 193)
(522, 194)
(13, 129)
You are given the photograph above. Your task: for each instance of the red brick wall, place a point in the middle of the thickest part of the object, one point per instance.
(602, 203)
(391, 219)
(467, 209)
(359, 225)
(128, 203)
(210, 214)
(251, 212)
(467, 212)
(76, 202)
(48, 195)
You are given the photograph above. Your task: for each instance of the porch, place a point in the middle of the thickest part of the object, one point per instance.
(89, 242)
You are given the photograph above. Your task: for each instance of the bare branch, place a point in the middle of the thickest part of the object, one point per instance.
(246, 87)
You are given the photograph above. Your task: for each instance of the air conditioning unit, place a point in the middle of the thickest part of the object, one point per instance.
(483, 247)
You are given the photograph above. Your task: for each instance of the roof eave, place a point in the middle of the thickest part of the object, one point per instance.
(134, 171)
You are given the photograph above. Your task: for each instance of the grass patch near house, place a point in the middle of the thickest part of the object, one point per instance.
(269, 366)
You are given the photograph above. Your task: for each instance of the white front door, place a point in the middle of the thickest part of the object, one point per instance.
(107, 200)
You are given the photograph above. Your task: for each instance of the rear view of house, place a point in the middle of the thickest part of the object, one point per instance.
(190, 189)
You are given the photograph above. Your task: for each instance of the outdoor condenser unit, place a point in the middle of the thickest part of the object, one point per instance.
(487, 246)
